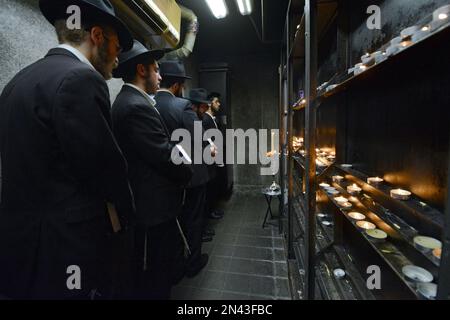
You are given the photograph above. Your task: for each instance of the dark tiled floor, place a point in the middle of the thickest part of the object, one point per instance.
(246, 261)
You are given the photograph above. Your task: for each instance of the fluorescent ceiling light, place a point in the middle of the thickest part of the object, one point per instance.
(218, 8)
(245, 6)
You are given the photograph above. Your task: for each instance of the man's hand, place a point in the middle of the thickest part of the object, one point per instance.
(214, 151)
(270, 154)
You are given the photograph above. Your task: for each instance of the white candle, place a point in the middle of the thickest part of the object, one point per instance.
(341, 200)
(400, 194)
(377, 234)
(346, 205)
(374, 181)
(356, 216)
(366, 225)
(353, 189)
(331, 191)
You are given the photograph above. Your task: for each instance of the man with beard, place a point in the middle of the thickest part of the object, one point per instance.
(209, 122)
(156, 181)
(178, 114)
(60, 162)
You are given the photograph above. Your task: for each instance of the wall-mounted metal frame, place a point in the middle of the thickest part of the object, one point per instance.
(305, 202)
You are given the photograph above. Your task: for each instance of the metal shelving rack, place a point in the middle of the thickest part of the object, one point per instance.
(303, 47)
(315, 17)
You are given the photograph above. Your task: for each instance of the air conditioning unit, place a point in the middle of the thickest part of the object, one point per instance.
(154, 21)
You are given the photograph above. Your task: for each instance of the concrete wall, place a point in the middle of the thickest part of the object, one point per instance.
(26, 37)
(253, 102)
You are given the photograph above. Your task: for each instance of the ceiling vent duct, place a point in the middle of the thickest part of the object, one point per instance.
(154, 21)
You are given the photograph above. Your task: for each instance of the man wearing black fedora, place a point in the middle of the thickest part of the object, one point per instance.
(156, 181)
(178, 114)
(209, 122)
(60, 162)
(201, 104)
(169, 97)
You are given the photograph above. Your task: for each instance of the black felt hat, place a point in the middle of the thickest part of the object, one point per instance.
(93, 11)
(173, 68)
(198, 96)
(137, 54)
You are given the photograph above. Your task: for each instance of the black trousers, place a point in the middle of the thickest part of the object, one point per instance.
(155, 253)
(212, 195)
(192, 220)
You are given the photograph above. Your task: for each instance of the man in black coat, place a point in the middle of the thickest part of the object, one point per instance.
(61, 163)
(209, 122)
(178, 114)
(156, 181)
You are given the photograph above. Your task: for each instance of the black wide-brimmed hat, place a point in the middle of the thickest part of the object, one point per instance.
(92, 11)
(198, 96)
(138, 54)
(173, 68)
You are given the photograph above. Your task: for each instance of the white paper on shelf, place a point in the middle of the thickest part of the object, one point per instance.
(184, 153)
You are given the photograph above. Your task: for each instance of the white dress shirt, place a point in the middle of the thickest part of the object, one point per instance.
(213, 118)
(77, 53)
(146, 96)
(168, 91)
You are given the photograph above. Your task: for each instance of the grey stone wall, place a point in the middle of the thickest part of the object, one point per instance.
(254, 104)
(26, 37)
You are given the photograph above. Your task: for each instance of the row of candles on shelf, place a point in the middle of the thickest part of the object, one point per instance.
(298, 144)
(355, 189)
(407, 37)
(428, 245)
